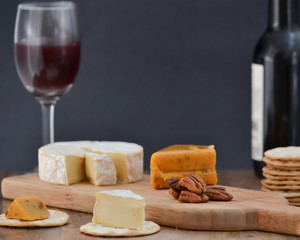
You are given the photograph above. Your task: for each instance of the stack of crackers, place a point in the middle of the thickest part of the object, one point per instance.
(283, 173)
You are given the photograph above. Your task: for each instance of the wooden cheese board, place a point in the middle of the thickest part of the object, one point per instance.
(249, 209)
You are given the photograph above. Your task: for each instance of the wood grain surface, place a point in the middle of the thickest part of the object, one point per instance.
(249, 209)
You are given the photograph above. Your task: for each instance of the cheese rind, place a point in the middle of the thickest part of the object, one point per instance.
(100, 169)
(128, 157)
(55, 159)
(177, 160)
(27, 208)
(119, 208)
(61, 164)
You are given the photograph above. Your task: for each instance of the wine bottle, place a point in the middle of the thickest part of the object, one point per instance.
(275, 83)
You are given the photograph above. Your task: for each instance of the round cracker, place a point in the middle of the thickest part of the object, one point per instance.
(282, 182)
(281, 178)
(285, 193)
(284, 153)
(294, 204)
(56, 218)
(101, 230)
(278, 164)
(294, 200)
(264, 189)
(281, 172)
(290, 195)
(279, 187)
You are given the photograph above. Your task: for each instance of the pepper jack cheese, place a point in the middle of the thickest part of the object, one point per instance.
(120, 209)
(177, 160)
(100, 169)
(27, 208)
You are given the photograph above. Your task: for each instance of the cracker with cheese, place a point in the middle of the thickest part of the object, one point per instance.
(119, 213)
(32, 212)
(56, 218)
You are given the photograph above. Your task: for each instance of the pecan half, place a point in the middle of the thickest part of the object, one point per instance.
(193, 183)
(218, 193)
(190, 197)
(174, 192)
(173, 183)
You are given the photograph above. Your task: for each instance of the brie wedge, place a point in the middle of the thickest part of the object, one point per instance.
(119, 208)
(100, 169)
(61, 164)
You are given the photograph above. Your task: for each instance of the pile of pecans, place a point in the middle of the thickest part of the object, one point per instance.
(192, 189)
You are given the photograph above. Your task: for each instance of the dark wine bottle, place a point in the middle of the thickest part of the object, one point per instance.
(276, 83)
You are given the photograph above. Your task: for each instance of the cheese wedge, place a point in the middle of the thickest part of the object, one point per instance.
(61, 164)
(100, 169)
(27, 208)
(128, 157)
(120, 209)
(177, 160)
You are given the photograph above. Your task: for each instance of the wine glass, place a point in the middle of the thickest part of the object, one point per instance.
(47, 54)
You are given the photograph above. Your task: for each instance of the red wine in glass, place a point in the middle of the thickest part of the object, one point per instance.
(47, 53)
(47, 69)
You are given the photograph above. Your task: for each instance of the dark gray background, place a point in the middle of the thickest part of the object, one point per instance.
(152, 72)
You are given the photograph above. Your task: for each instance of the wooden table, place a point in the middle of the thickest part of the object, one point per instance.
(236, 178)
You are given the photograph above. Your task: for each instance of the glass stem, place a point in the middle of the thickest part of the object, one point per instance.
(48, 122)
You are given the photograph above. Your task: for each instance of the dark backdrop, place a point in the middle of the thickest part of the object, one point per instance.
(152, 72)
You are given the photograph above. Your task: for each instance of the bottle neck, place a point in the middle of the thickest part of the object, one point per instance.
(283, 14)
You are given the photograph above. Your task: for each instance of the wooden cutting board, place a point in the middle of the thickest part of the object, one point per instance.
(249, 209)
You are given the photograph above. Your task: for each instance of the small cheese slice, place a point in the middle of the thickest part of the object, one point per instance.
(100, 169)
(128, 157)
(27, 208)
(61, 164)
(120, 209)
(177, 160)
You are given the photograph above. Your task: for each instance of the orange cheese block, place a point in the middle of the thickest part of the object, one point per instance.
(27, 208)
(177, 160)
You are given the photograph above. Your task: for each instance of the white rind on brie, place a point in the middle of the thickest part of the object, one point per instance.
(100, 169)
(61, 164)
(55, 160)
(128, 157)
(122, 193)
